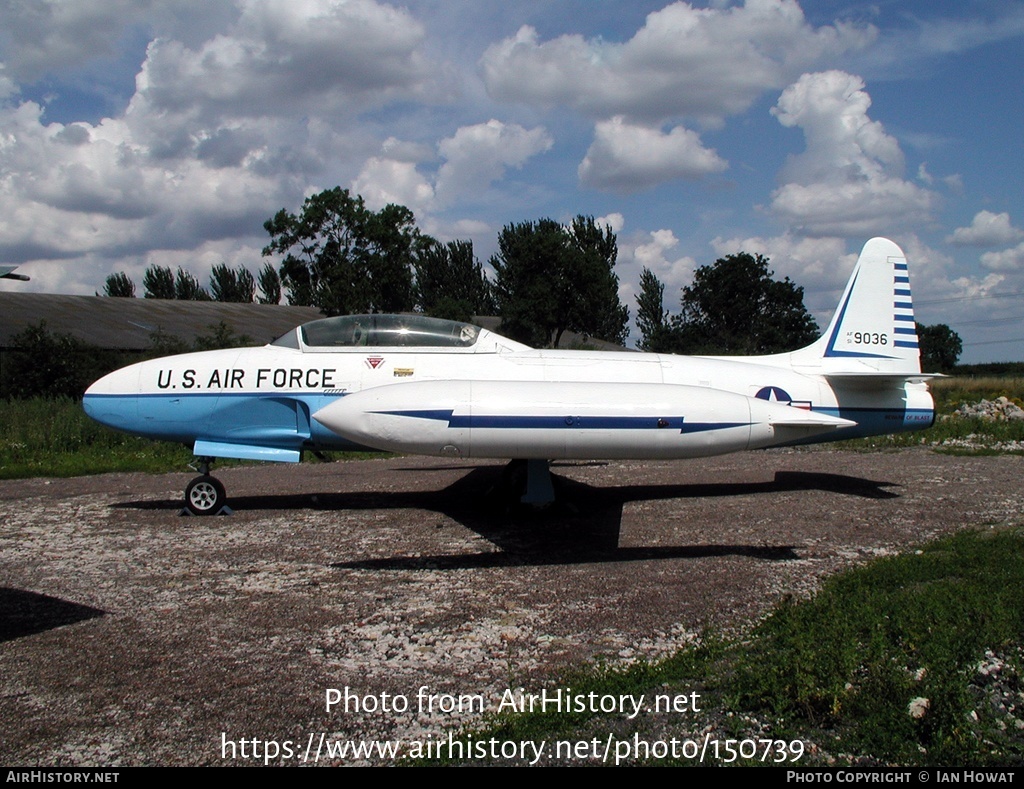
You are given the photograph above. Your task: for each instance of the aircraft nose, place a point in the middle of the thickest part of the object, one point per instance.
(113, 400)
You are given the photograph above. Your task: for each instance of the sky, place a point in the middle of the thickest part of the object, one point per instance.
(166, 132)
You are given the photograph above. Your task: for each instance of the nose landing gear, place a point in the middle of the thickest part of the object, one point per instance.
(205, 495)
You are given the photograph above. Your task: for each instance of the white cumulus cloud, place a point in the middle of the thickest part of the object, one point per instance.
(705, 63)
(1007, 260)
(85, 189)
(44, 36)
(283, 57)
(473, 158)
(849, 180)
(628, 157)
(614, 220)
(986, 230)
(656, 250)
(476, 156)
(384, 181)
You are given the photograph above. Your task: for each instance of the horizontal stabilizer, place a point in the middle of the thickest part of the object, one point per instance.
(811, 419)
(882, 377)
(877, 381)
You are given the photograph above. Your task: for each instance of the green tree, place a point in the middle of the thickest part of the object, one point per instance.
(450, 282)
(344, 258)
(158, 282)
(187, 287)
(940, 347)
(161, 283)
(596, 310)
(270, 285)
(119, 285)
(651, 316)
(550, 279)
(246, 285)
(525, 268)
(735, 307)
(232, 285)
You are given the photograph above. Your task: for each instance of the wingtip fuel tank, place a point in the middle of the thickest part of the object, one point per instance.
(545, 419)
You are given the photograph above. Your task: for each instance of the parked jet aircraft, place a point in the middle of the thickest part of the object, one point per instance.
(409, 383)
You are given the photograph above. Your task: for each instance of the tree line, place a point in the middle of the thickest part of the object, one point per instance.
(733, 307)
(342, 257)
(226, 284)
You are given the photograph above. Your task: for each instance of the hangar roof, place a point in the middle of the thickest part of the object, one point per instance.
(126, 324)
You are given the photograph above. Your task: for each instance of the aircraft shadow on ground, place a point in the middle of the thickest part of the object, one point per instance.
(583, 526)
(25, 613)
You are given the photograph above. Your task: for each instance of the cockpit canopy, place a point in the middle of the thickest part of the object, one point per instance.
(381, 331)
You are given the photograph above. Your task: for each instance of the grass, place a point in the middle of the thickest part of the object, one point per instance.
(956, 435)
(837, 674)
(849, 662)
(54, 438)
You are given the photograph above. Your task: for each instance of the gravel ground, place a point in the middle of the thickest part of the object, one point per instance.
(130, 635)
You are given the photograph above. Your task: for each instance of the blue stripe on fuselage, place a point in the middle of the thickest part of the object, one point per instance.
(480, 421)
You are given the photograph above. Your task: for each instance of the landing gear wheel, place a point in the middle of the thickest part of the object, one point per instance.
(205, 495)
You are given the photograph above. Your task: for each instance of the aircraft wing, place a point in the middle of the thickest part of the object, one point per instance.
(7, 272)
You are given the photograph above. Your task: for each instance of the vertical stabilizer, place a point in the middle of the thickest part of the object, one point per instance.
(873, 327)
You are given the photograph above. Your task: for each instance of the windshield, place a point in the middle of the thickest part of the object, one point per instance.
(370, 331)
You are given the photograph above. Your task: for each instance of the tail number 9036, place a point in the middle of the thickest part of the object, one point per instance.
(867, 338)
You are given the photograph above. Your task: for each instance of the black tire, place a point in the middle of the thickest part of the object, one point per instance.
(205, 495)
